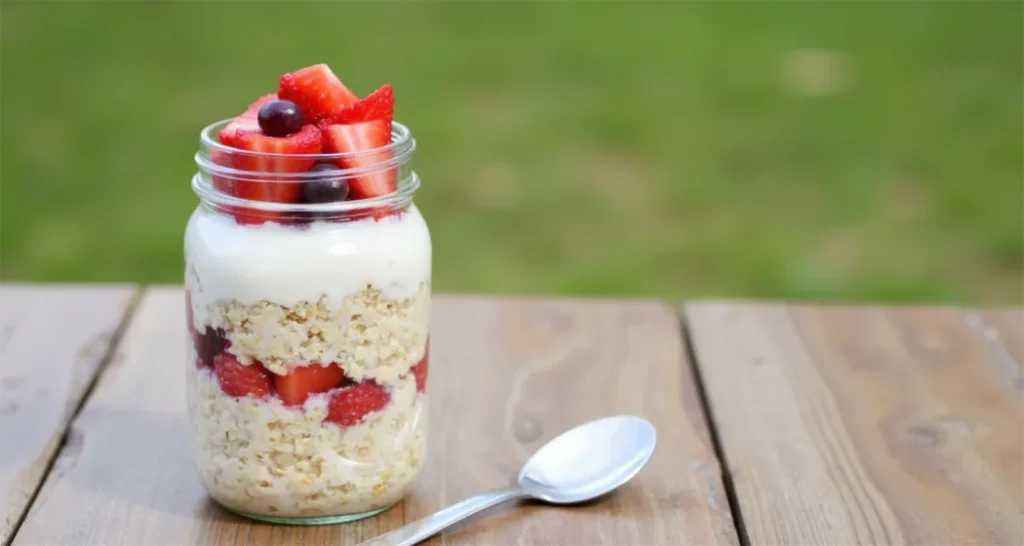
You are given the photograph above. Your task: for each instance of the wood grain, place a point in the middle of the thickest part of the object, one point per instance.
(52, 341)
(506, 376)
(865, 425)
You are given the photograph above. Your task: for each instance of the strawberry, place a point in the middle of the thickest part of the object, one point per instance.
(317, 91)
(420, 371)
(361, 137)
(307, 141)
(379, 105)
(349, 405)
(361, 127)
(248, 120)
(303, 381)
(238, 380)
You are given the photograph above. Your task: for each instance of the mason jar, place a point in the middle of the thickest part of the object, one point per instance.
(309, 332)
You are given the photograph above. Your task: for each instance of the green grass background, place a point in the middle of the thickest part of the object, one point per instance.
(613, 148)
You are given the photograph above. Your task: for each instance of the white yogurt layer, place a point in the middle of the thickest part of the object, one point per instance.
(288, 265)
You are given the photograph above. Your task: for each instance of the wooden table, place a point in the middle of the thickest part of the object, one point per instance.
(777, 423)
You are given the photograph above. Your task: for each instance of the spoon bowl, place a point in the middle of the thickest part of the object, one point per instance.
(590, 460)
(578, 465)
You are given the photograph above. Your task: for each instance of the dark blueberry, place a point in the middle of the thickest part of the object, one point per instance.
(208, 345)
(280, 118)
(325, 190)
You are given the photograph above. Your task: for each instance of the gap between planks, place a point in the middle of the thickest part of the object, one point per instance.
(709, 420)
(111, 349)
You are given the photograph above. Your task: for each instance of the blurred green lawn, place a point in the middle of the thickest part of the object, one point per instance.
(618, 148)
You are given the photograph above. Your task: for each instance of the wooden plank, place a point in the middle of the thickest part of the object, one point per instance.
(52, 342)
(862, 425)
(506, 376)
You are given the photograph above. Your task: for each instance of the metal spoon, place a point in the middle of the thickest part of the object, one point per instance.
(579, 465)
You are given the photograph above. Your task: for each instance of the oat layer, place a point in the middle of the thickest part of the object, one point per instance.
(369, 336)
(260, 456)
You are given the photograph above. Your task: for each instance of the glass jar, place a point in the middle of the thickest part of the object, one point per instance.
(309, 328)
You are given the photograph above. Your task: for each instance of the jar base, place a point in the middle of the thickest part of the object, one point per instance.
(313, 520)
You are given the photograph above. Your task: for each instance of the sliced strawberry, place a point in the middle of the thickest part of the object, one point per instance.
(379, 105)
(238, 380)
(317, 91)
(307, 141)
(304, 381)
(248, 120)
(350, 405)
(362, 137)
(420, 371)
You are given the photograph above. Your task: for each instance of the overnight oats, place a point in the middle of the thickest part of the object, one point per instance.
(307, 269)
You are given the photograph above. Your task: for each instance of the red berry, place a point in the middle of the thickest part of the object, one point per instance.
(276, 190)
(420, 371)
(349, 405)
(304, 381)
(238, 380)
(362, 137)
(379, 105)
(361, 127)
(317, 91)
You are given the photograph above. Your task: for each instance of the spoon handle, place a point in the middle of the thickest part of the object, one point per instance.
(420, 530)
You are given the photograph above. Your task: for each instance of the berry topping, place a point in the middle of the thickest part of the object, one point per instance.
(420, 371)
(280, 129)
(304, 381)
(317, 91)
(349, 405)
(238, 380)
(325, 190)
(279, 118)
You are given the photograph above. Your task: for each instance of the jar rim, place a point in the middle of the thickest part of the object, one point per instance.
(402, 148)
(400, 137)
(402, 196)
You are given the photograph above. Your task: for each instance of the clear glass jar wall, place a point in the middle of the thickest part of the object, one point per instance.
(310, 335)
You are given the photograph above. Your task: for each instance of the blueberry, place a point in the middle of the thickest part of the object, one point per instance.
(208, 344)
(280, 118)
(325, 190)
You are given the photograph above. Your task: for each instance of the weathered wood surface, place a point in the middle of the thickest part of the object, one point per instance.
(506, 376)
(52, 341)
(867, 425)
